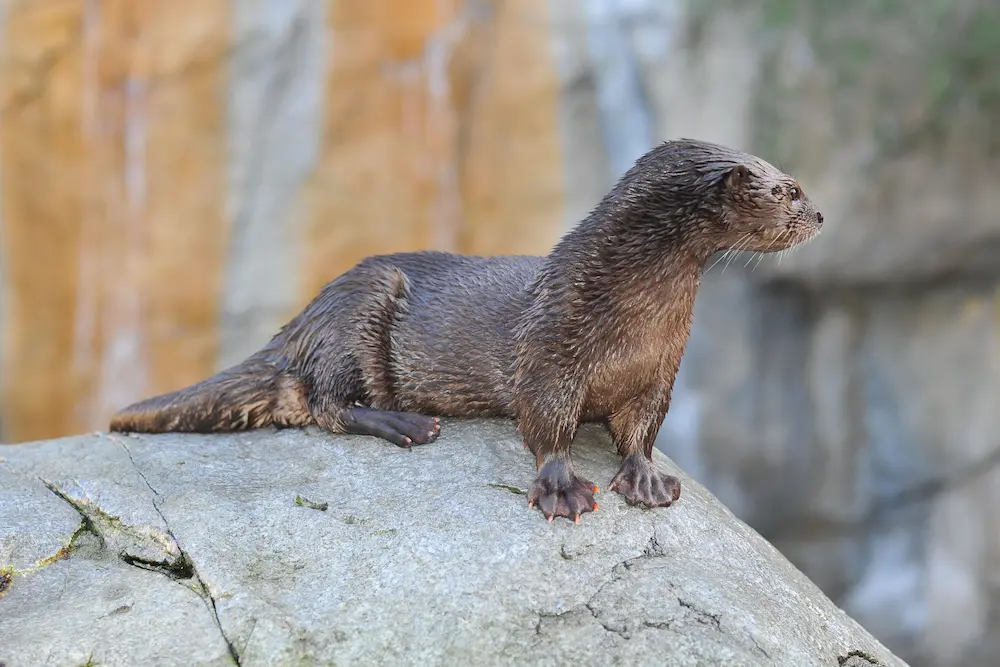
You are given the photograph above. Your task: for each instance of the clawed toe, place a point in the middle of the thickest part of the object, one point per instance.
(420, 429)
(557, 491)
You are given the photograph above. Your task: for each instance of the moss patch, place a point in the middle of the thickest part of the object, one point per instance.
(62, 554)
(509, 488)
(352, 520)
(6, 579)
(305, 502)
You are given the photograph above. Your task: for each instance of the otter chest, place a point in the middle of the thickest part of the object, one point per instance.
(639, 361)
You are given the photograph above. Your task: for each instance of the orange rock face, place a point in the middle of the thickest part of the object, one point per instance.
(439, 130)
(113, 183)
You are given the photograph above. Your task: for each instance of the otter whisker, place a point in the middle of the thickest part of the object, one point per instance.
(719, 259)
(729, 251)
(776, 242)
(759, 258)
(781, 238)
(759, 255)
(730, 261)
(737, 249)
(783, 253)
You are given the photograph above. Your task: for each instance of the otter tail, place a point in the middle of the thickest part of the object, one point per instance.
(253, 394)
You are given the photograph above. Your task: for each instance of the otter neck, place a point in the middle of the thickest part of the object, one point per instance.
(637, 247)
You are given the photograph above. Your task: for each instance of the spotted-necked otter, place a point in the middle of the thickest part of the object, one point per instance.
(594, 331)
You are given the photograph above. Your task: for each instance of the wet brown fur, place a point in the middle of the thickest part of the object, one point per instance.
(594, 331)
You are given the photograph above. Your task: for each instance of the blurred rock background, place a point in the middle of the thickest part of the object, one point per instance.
(178, 178)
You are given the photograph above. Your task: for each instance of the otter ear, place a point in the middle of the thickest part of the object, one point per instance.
(737, 177)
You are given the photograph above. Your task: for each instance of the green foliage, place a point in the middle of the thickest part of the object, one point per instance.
(911, 73)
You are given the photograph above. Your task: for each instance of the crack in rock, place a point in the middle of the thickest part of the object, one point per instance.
(302, 501)
(7, 574)
(757, 646)
(182, 568)
(857, 659)
(654, 549)
(702, 616)
(113, 534)
(690, 611)
(658, 625)
(542, 615)
(106, 526)
(622, 631)
(617, 573)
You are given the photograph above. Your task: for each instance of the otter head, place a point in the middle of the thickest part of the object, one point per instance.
(764, 209)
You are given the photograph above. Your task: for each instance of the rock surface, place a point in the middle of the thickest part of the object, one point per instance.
(217, 161)
(842, 401)
(277, 548)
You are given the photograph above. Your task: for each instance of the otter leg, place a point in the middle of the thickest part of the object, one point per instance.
(380, 312)
(548, 407)
(400, 428)
(634, 429)
(365, 373)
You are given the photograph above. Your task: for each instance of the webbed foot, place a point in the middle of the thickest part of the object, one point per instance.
(558, 491)
(641, 483)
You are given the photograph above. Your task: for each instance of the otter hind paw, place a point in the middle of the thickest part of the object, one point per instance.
(403, 429)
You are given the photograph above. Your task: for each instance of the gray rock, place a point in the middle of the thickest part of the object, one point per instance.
(899, 172)
(841, 401)
(853, 430)
(277, 548)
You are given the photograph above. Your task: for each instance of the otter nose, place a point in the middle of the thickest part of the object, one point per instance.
(819, 218)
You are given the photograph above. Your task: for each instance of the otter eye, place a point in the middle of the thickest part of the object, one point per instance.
(794, 192)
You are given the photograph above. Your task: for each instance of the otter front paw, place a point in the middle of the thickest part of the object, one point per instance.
(642, 484)
(558, 491)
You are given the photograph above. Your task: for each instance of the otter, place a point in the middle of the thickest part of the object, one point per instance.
(592, 332)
